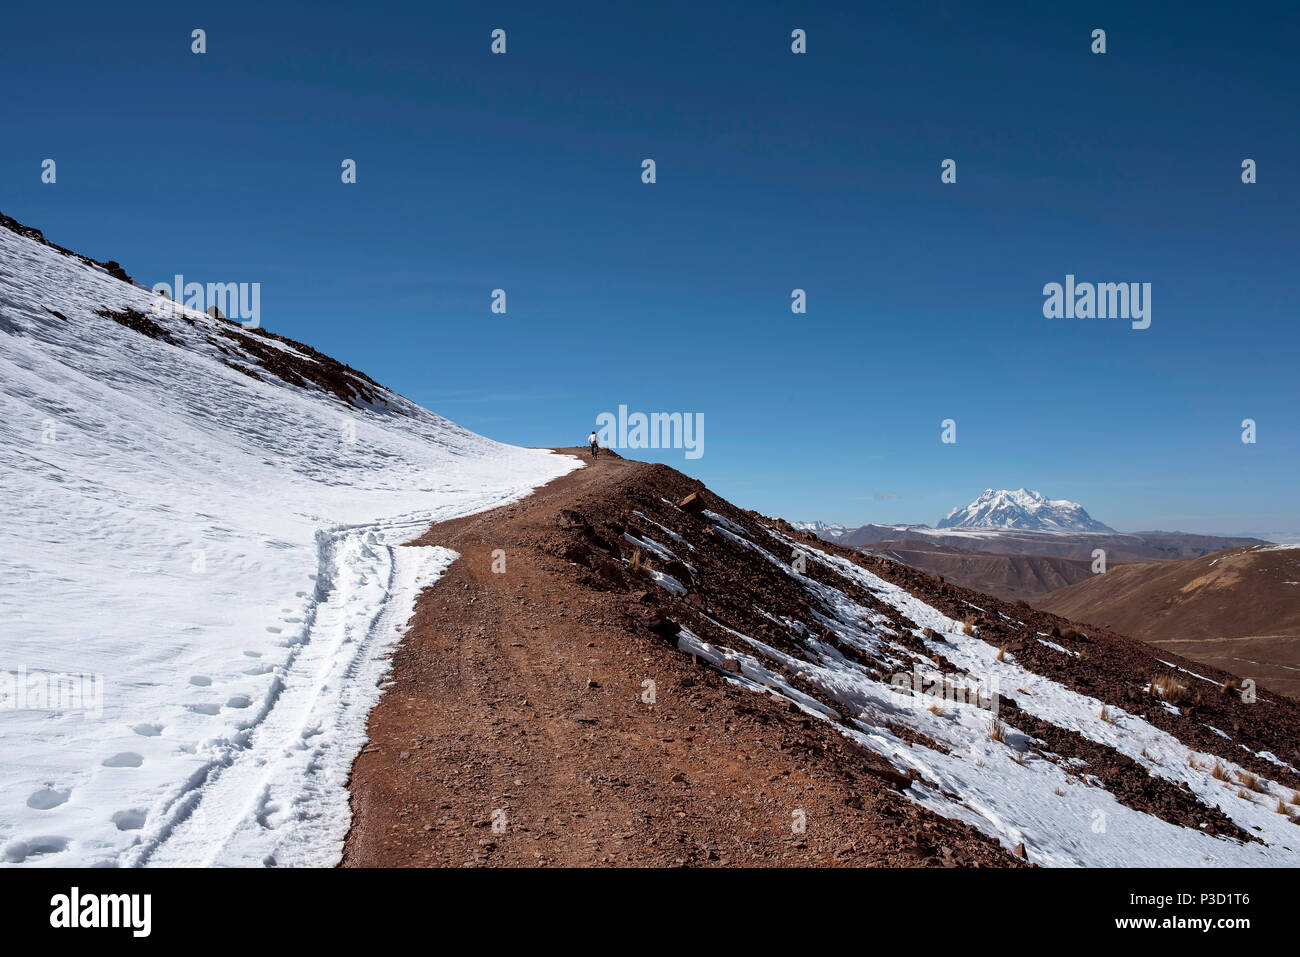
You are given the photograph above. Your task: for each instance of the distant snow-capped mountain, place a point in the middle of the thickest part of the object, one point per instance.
(1023, 509)
(821, 529)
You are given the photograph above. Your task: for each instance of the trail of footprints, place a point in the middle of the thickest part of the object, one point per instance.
(50, 797)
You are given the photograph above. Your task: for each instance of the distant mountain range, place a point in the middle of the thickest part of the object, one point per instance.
(1002, 510)
(1019, 544)
(821, 529)
(1022, 510)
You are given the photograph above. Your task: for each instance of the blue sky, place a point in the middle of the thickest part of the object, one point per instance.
(775, 171)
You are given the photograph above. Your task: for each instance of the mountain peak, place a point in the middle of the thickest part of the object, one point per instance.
(821, 528)
(1024, 509)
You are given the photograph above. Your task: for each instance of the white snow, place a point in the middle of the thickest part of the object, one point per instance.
(1170, 664)
(667, 582)
(224, 554)
(722, 522)
(1055, 647)
(650, 545)
(663, 528)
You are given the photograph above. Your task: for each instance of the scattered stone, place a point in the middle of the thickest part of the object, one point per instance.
(692, 503)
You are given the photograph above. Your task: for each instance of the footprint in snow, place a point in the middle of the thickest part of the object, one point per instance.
(19, 851)
(126, 759)
(47, 798)
(131, 820)
(148, 730)
(201, 680)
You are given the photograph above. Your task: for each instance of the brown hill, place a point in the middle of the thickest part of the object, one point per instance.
(1237, 609)
(1011, 577)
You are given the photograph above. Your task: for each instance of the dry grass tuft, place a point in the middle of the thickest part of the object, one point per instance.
(1246, 779)
(1169, 688)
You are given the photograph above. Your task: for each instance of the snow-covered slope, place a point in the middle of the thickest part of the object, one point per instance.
(1022, 509)
(202, 529)
(1063, 818)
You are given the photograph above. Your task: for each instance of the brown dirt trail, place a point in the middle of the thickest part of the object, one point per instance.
(519, 728)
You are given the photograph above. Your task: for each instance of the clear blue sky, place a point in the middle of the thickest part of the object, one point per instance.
(775, 171)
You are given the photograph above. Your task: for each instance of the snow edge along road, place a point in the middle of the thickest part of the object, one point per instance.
(276, 794)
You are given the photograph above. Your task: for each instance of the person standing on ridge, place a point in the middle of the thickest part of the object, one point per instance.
(594, 443)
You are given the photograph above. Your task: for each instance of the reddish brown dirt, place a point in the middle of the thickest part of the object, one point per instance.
(516, 732)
